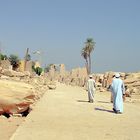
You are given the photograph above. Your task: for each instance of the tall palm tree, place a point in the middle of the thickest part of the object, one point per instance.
(85, 56)
(86, 53)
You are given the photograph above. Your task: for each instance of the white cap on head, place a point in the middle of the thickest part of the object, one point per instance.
(117, 75)
(90, 76)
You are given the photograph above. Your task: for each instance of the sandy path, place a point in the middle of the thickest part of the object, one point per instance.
(9, 126)
(65, 114)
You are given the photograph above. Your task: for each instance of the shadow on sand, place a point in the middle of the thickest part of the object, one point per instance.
(102, 102)
(82, 101)
(106, 110)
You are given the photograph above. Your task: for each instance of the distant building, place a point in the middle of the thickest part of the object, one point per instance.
(21, 65)
(28, 66)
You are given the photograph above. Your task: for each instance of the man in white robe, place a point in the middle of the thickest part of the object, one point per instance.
(118, 90)
(91, 88)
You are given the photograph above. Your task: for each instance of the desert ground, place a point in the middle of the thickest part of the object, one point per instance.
(66, 114)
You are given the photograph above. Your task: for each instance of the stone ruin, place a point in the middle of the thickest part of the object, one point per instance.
(19, 91)
(5, 64)
(78, 77)
(131, 81)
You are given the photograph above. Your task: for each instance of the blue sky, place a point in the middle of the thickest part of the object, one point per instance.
(59, 28)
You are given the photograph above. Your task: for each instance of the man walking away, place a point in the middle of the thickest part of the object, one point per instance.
(91, 88)
(118, 90)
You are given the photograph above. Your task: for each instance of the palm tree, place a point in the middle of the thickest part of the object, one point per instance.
(28, 57)
(86, 53)
(15, 61)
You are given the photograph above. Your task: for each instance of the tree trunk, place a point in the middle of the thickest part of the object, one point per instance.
(89, 64)
(87, 67)
(25, 63)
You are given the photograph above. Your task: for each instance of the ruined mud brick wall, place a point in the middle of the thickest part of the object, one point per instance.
(62, 70)
(51, 73)
(18, 91)
(5, 64)
(106, 78)
(79, 77)
(75, 77)
(132, 81)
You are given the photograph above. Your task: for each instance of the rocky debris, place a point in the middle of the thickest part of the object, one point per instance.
(12, 73)
(15, 97)
(51, 85)
(131, 81)
(19, 91)
(76, 77)
(5, 77)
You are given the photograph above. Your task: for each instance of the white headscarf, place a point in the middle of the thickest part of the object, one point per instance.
(117, 75)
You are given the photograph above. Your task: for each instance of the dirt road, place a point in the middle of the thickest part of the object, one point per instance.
(65, 114)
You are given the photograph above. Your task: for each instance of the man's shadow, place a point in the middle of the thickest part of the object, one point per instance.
(82, 101)
(106, 110)
(103, 102)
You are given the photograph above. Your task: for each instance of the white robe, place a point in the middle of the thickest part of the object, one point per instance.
(91, 89)
(117, 88)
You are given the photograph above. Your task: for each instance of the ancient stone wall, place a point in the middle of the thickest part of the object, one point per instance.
(5, 64)
(131, 82)
(79, 77)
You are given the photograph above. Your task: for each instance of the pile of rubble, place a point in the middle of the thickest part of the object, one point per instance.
(75, 77)
(78, 77)
(131, 81)
(19, 91)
